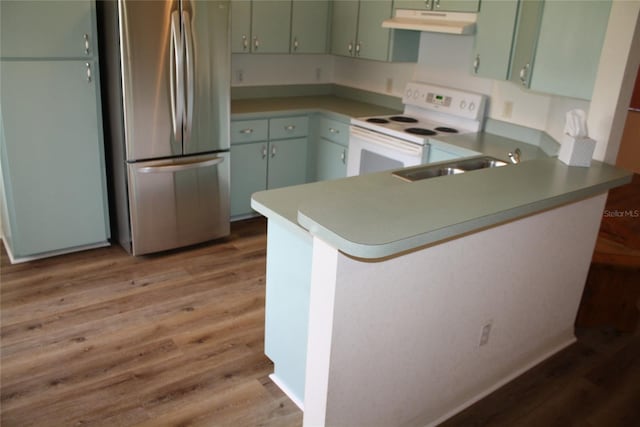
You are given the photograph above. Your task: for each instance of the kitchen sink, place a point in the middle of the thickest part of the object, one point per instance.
(452, 168)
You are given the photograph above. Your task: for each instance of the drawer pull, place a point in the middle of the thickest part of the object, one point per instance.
(264, 151)
(334, 130)
(273, 151)
(343, 156)
(247, 131)
(289, 128)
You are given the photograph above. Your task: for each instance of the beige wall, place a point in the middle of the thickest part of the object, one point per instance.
(629, 154)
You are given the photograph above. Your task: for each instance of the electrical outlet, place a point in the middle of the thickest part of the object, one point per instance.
(485, 332)
(239, 76)
(389, 85)
(507, 109)
(318, 74)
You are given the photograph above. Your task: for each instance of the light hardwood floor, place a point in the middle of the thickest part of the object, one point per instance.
(102, 338)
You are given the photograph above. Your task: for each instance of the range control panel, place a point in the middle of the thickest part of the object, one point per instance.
(468, 105)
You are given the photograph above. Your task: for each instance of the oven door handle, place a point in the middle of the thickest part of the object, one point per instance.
(386, 141)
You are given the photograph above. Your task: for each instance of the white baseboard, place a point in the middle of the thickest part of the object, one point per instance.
(286, 391)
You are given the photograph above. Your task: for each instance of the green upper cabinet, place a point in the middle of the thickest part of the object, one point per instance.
(309, 26)
(47, 29)
(494, 36)
(270, 26)
(357, 31)
(260, 26)
(373, 40)
(439, 5)
(240, 26)
(558, 45)
(344, 27)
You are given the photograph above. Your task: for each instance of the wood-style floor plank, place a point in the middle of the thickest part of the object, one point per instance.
(100, 338)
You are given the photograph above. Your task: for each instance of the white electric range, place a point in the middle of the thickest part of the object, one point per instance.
(391, 142)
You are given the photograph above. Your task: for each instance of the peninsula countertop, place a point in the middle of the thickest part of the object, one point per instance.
(378, 215)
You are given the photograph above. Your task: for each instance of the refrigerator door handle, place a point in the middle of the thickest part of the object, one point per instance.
(181, 166)
(176, 77)
(190, 79)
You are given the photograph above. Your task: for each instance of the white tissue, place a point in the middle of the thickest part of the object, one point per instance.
(577, 148)
(576, 124)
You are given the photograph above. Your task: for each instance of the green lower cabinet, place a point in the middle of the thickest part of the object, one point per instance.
(262, 164)
(52, 156)
(248, 175)
(331, 160)
(287, 162)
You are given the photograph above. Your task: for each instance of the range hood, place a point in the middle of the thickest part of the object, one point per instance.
(434, 22)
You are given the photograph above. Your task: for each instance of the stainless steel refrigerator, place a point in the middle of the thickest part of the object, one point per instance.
(166, 83)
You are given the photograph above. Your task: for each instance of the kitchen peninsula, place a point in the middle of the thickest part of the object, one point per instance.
(398, 303)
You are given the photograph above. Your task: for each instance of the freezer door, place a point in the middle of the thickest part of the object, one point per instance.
(175, 203)
(151, 55)
(207, 75)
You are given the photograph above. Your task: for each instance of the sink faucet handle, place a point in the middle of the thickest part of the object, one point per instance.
(515, 156)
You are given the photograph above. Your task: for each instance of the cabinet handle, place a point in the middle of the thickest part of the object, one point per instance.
(437, 4)
(476, 64)
(427, 4)
(273, 151)
(88, 65)
(264, 151)
(247, 131)
(256, 43)
(289, 128)
(523, 74)
(343, 156)
(86, 44)
(358, 49)
(295, 44)
(350, 47)
(245, 42)
(334, 130)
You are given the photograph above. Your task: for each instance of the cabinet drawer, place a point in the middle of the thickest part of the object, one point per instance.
(335, 131)
(249, 130)
(288, 127)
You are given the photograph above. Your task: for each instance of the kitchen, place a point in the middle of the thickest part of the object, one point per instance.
(532, 110)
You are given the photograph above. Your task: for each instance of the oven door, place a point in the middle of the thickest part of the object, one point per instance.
(371, 151)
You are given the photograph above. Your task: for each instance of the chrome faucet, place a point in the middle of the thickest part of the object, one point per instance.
(515, 156)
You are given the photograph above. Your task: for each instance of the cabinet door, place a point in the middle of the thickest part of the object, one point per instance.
(494, 36)
(344, 26)
(287, 162)
(331, 161)
(442, 5)
(373, 40)
(459, 5)
(240, 26)
(412, 4)
(47, 29)
(248, 175)
(527, 29)
(309, 23)
(569, 47)
(270, 26)
(52, 154)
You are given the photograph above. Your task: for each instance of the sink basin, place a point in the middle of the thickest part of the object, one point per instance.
(451, 168)
(481, 163)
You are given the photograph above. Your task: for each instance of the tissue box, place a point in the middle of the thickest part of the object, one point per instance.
(576, 151)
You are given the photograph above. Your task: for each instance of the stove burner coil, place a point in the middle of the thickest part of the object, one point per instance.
(377, 120)
(446, 129)
(403, 119)
(420, 131)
